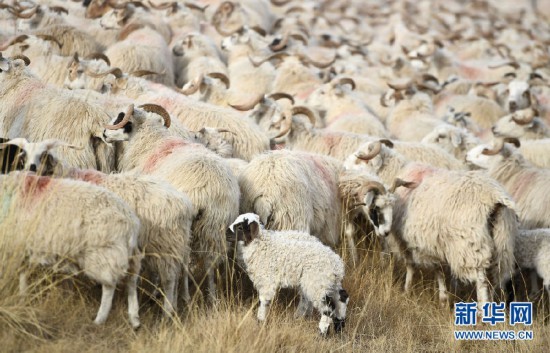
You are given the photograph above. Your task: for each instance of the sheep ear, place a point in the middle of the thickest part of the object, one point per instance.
(369, 198)
(456, 140)
(252, 232)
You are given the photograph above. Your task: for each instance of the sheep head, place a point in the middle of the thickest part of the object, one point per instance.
(370, 156)
(37, 157)
(484, 156)
(518, 123)
(244, 229)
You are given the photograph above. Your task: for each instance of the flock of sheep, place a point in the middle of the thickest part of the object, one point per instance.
(134, 133)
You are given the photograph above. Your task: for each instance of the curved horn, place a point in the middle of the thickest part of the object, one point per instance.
(513, 64)
(114, 71)
(514, 141)
(318, 64)
(386, 142)
(193, 87)
(376, 186)
(141, 73)
(399, 86)
(192, 6)
(20, 14)
(50, 38)
(306, 111)
(157, 109)
(15, 40)
(495, 150)
(22, 57)
(280, 2)
(376, 147)
(400, 182)
(281, 44)
(220, 76)
(523, 119)
(163, 6)
(281, 95)
(257, 63)
(98, 56)
(127, 115)
(247, 106)
(347, 80)
(383, 100)
(59, 10)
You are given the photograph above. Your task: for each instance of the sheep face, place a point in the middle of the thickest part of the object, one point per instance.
(379, 211)
(447, 137)
(128, 123)
(120, 134)
(114, 19)
(244, 230)
(37, 157)
(519, 96)
(11, 67)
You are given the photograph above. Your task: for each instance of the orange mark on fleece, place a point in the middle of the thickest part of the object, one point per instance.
(90, 175)
(34, 186)
(27, 91)
(323, 171)
(470, 72)
(521, 184)
(332, 140)
(164, 150)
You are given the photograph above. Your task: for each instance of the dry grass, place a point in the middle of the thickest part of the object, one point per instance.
(57, 317)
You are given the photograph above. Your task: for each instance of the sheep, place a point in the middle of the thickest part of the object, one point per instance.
(436, 207)
(300, 136)
(531, 251)
(143, 48)
(485, 112)
(411, 119)
(522, 180)
(524, 124)
(73, 40)
(84, 226)
(458, 142)
(343, 111)
(164, 213)
(151, 148)
(276, 260)
(35, 111)
(294, 191)
(195, 54)
(247, 139)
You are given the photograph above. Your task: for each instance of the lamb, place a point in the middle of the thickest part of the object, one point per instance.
(276, 260)
(164, 213)
(442, 218)
(35, 111)
(526, 183)
(190, 168)
(524, 124)
(77, 226)
(531, 251)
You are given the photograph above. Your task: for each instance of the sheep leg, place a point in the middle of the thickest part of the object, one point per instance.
(534, 279)
(107, 294)
(341, 308)
(443, 296)
(326, 307)
(304, 307)
(349, 232)
(23, 283)
(212, 285)
(133, 304)
(169, 286)
(185, 294)
(265, 300)
(482, 290)
(409, 278)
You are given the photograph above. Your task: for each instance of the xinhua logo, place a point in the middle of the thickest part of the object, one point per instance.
(519, 313)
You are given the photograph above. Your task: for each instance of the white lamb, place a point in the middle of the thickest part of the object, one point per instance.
(274, 259)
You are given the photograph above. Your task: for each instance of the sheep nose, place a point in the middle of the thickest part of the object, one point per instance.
(33, 168)
(512, 106)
